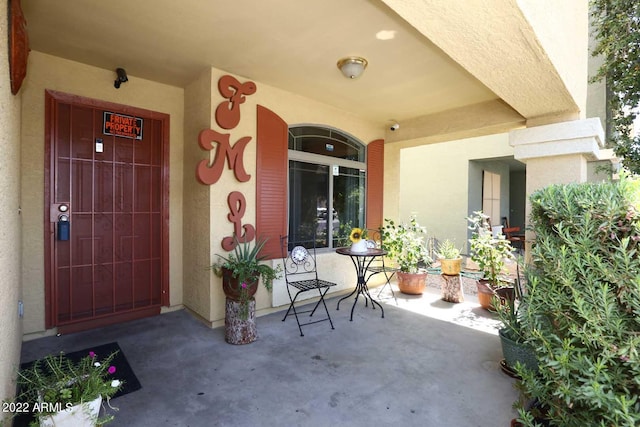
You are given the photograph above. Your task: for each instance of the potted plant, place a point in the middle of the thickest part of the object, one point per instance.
(61, 392)
(490, 252)
(406, 244)
(516, 348)
(449, 256)
(450, 265)
(241, 272)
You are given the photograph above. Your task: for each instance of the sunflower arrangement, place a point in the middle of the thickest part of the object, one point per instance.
(357, 234)
(358, 237)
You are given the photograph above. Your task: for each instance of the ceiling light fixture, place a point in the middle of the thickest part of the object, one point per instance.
(352, 66)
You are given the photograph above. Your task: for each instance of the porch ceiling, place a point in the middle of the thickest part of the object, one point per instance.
(294, 45)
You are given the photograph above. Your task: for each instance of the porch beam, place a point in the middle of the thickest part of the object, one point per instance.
(496, 43)
(485, 118)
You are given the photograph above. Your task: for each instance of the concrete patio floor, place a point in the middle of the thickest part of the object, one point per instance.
(427, 363)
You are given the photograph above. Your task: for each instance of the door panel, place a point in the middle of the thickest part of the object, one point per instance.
(115, 261)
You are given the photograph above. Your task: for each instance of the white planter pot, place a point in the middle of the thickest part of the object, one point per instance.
(82, 415)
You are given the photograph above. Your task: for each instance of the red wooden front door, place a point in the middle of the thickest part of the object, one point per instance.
(113, 192)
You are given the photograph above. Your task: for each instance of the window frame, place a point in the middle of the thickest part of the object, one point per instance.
(330, 161)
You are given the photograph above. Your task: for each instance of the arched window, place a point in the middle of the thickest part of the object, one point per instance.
(327, 173)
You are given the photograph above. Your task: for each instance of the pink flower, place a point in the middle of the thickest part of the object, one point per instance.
(92, 354)
(244, 285)
(111, 370)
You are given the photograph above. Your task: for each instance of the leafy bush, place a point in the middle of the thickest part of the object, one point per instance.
(583, 312)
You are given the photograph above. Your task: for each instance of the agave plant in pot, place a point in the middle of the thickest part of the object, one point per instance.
(490, 252)
(516, 348)
(241, 271)
(59, 391)
(406, 244)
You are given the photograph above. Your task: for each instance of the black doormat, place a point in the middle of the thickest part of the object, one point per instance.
(123, 373)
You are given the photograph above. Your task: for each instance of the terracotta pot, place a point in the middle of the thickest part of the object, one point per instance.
(412, 283)
(451, 267)
(232, 288)
(485, 294)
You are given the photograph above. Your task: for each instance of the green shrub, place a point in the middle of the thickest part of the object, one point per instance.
(583, 315)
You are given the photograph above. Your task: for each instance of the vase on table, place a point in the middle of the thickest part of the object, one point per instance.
(360, 246)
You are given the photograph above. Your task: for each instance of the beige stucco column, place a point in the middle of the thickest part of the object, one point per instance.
(557, 153)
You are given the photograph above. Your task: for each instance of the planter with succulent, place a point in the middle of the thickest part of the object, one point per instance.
(450, 265)
(61, 392)
(241, 271)
(516, 348)
(406, 244)
(490, 252)
(450, 259)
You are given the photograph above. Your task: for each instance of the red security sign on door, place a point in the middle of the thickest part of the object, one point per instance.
(121, 125)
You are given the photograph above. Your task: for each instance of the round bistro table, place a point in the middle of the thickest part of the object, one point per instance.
(361, 261)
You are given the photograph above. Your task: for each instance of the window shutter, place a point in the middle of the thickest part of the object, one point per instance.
(375, 183)
(271, 180)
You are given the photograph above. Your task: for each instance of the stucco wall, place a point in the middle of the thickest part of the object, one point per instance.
(197, 239)
(434, 182)
(10, 235)
(50, 72)
(562, 27)
(293, 109)
(596, 92)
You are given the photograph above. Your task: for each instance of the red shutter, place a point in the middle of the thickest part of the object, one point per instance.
(375, 182)
(271, 180)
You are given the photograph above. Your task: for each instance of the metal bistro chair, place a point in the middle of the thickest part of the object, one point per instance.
(378, 265)
(301, 274)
